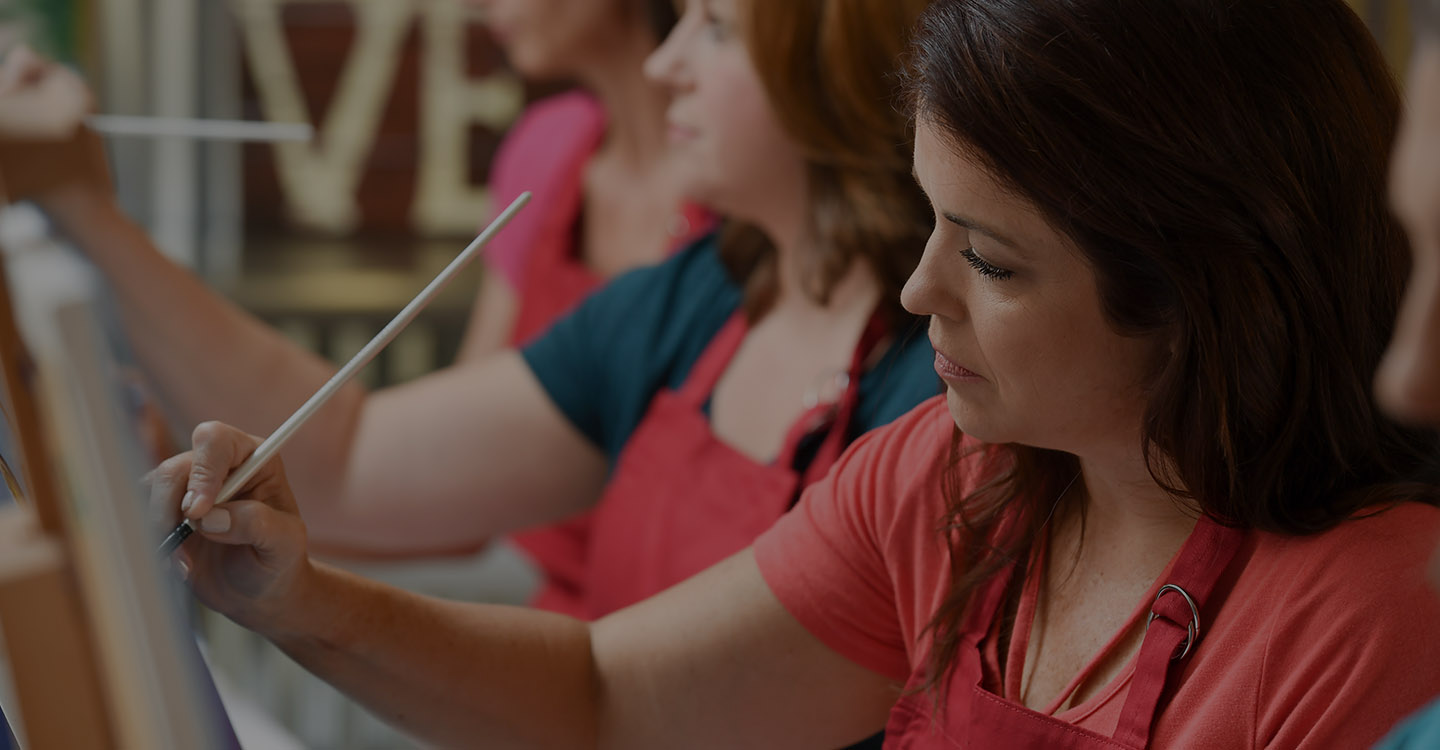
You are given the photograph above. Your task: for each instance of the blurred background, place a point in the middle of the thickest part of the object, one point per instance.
(326, 239)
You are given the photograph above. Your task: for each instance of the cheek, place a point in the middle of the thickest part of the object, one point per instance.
(1071, 376)
(744, 152)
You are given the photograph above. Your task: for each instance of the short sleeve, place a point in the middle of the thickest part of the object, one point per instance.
(604, 362)
(859, 559)
(1361, 652)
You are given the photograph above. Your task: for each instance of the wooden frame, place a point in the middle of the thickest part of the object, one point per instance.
(100, 653)
(47, 633)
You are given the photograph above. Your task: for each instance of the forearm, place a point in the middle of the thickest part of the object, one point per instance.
(206, 358)
(450, 673)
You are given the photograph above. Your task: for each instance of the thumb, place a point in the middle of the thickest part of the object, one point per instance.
(218, 450)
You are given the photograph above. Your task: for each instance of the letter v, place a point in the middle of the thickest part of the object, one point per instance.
(320, 180)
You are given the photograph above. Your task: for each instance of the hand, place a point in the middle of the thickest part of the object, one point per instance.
(43, 142)
(247, 560)
(40, 100)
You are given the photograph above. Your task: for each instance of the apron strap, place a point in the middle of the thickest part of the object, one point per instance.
(839, 415)
(713, 361)
(1175, 628)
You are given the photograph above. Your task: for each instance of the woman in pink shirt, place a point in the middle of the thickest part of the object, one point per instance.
(1156, 506)
(594, 159)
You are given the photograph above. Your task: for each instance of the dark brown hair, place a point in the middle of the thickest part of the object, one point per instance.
(830, 70)
(662, 16)
(1221, 167)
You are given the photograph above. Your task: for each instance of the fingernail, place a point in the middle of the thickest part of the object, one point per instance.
(188, 501)
(216, 521)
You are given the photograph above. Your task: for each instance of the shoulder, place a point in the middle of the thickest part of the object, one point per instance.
(692, 280)
(923, 430)
(1356, 575)
(1390, 545)
(1344, 616)
(893, 474)
(552, 135)
(562, 118)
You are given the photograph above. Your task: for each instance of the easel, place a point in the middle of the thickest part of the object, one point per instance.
(51, 636)
(47, 631)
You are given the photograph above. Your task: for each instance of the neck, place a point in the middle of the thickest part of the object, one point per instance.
(634, 107)
(1128, 513)
(854, 294)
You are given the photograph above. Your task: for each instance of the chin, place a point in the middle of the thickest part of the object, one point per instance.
(532, 63)
(699, 190)
(978, 421)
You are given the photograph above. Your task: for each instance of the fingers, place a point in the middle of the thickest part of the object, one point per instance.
(268, 530)
(22, 67)
(166, 488)
(218, 450)
(40, 99)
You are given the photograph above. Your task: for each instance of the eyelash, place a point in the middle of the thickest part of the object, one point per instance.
(983, 267)
(716, 28)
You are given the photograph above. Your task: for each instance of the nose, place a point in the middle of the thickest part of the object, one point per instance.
(665, 66)
(925, 292)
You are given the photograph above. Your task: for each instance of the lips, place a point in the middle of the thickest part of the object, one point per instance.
(678, 132)
(949, 370)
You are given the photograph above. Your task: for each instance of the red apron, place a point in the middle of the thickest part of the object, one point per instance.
(553, 282)
(977, 718)
(681, 500)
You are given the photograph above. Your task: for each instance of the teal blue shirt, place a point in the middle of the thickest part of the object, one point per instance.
(1419, 732)
(603, 363)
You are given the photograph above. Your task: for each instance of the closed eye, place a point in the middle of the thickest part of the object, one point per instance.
(985, 267)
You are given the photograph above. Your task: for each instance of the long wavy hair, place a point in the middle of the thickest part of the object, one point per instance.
(830, 69)
(1221, 166)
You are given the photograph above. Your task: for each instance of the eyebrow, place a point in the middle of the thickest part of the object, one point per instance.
(976, 226)
(961, 221)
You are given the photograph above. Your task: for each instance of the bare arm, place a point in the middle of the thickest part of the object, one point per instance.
(714, 662)
(491, 320)
(437, 464)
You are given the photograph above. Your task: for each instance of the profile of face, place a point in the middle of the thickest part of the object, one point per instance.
(1020, 337)
(1408, 384)
(728, 148)
(550, 39)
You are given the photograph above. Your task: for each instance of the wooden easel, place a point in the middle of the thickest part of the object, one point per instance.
(47, 631)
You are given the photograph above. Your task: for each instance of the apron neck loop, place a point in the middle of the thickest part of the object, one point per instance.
(1175, 628)
(713, 361)
(840, 414)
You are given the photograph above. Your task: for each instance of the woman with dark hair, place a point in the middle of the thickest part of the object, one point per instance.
(1156, 506)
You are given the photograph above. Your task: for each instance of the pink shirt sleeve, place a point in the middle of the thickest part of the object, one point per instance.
(858, 562)
(544, 152)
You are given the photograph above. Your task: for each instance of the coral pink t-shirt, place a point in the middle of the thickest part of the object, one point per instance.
(1323, 641)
